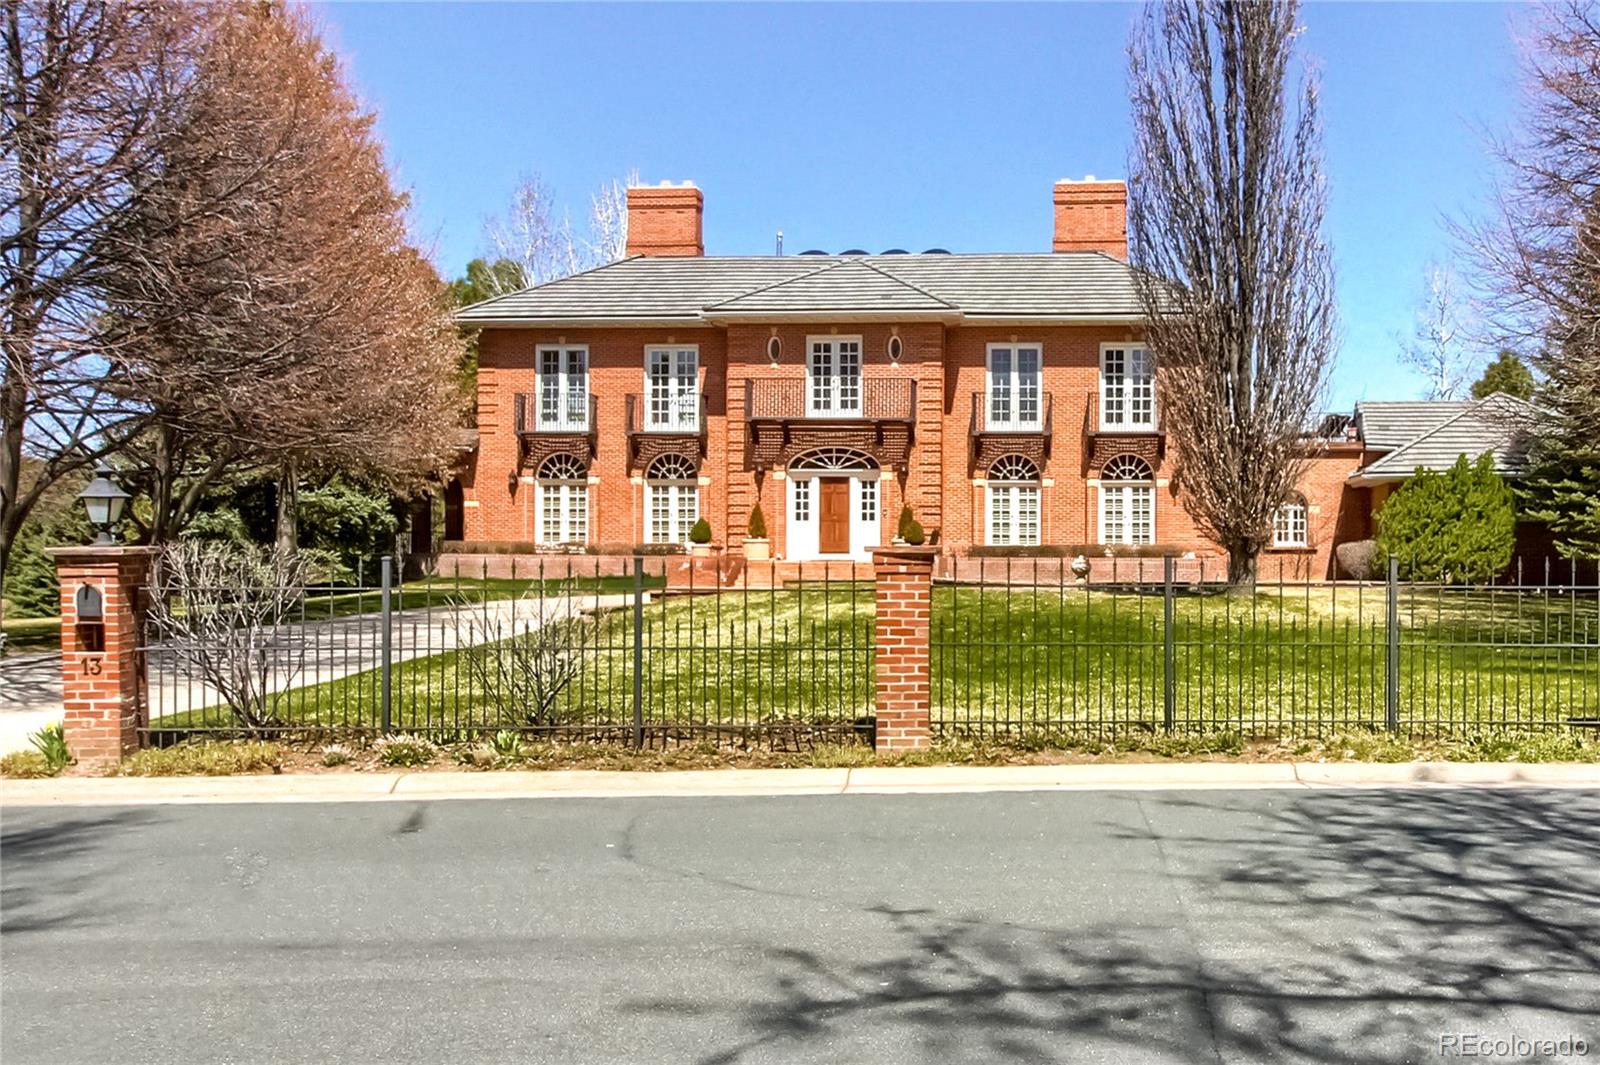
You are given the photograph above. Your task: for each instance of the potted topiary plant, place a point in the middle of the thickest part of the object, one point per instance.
(700, 538)
(757, 548)
(909, 531)
(907, 519)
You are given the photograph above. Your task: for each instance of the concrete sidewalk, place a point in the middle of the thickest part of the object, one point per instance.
(379, 787)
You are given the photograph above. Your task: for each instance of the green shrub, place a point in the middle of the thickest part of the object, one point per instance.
(209, 758)
(1459, 525)
(25, 765)
(701, 533)
(405, 750)
(914, 533)
(335, 754)
(758, 523)
(507, 744)
(51, 743)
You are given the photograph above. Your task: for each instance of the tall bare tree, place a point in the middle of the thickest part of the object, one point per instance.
(1539, 262)
(1234, 275)
(280, 316)
(1442, 346)
(537, 235)
(88, 105)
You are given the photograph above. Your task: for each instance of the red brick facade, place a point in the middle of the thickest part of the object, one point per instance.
(931, 457)
(942, 480)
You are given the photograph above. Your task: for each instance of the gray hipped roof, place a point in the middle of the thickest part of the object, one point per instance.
(1087, 286)
(1393, 423)
(1498, 425)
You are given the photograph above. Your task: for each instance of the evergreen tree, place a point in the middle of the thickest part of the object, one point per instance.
(1459, 525)
(1507, 374)
(1562, 485)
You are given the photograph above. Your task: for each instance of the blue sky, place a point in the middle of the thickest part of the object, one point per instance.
(909, 125)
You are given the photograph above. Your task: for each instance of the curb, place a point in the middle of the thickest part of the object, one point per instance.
(732, 783)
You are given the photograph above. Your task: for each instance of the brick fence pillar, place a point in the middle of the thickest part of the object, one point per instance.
(904, 601)
(102, 668)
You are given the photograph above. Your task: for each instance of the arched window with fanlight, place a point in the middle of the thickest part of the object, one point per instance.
(1013, 485)
(1127, 501)
(1290, 527)
(671, 500)
(563, 500)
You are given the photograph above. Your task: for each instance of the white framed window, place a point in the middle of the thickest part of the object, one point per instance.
(1289, 525)
(1013, 386)
(1127, 388)
(1013, 487)
(563, 388)
(1127, 502)
(563, 500)
(869, 502)
(833, 377)
(672, 389)
(672, 500)
(802, 500)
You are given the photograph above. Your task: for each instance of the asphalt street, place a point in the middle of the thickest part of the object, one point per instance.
(1124, 927)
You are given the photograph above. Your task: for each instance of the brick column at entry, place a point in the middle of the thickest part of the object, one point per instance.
(904, 603)
(102, 669)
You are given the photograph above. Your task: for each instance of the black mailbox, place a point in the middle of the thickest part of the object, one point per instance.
(91, 626)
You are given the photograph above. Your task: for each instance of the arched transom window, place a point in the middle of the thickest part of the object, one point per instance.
(1127, 501)
(1289, 525)
(671, 500)
(1013, 486)
(563, 500)
(834, 458)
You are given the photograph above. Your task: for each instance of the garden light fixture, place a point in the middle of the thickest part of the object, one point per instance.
(105, 501)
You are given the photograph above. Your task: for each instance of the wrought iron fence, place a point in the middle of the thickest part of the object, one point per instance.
(646, 650)
(654, 650)
(1026, 646)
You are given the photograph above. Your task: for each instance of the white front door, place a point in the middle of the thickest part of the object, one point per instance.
(814, 528)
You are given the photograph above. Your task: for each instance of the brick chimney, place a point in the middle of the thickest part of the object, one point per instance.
(664, 219)
(1092, 216)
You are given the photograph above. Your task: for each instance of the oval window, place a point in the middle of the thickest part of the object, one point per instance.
(774, 348)
(894, 349)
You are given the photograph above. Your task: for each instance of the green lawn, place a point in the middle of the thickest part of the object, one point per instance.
(1021, 660)
(31, 634)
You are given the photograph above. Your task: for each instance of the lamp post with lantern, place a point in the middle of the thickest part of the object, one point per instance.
(103, 687)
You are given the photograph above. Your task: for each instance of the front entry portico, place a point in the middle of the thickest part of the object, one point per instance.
(833, 505)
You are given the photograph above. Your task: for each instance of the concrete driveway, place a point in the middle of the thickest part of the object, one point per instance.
(1124, 928)
(314, 652)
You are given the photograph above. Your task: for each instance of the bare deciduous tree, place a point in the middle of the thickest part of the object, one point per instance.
(88, 103)
(1235, 278)
(538, 236)
(280, 316)
(522, 665)
(1441, 347)
(608, 220)
(219, 607)
(1539, 253)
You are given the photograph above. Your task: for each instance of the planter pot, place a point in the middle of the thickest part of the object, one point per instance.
(757, 549)
(700, 550)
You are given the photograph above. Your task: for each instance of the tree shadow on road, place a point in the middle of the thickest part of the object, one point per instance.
(43, 881)
(1325, 927)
